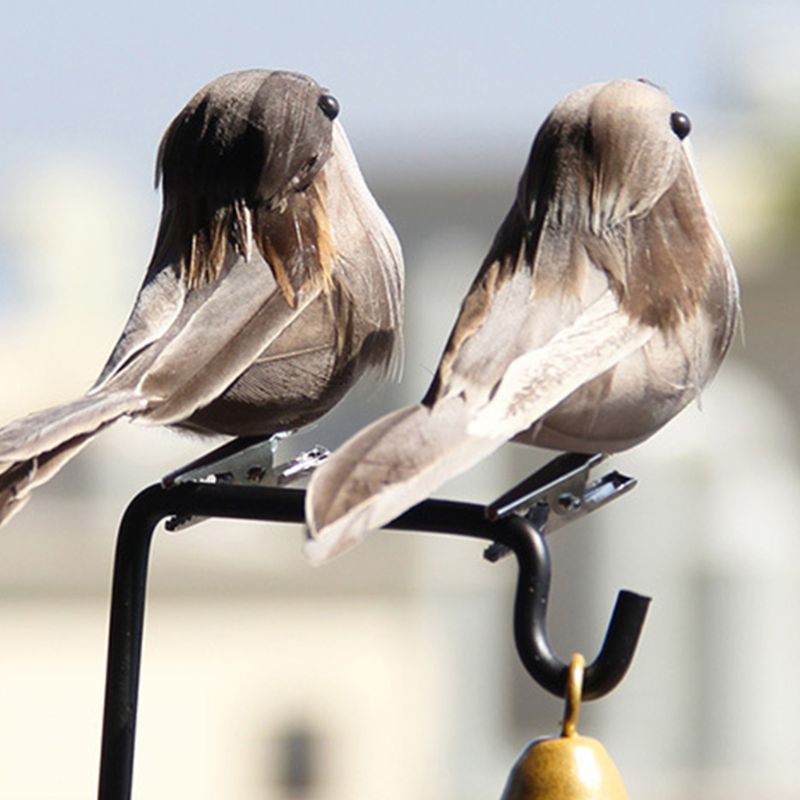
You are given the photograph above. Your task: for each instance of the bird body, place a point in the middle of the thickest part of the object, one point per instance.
(275, 282)
(605, 304)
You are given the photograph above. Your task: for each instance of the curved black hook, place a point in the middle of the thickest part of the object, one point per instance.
(530, 628)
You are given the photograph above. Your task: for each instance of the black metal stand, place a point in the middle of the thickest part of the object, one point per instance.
(286, 505)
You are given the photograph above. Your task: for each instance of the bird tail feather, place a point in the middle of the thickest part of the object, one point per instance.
(385, 469)
(34, 448)
(402, 458)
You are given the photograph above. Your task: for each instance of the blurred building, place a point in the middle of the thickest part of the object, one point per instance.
(391, 673)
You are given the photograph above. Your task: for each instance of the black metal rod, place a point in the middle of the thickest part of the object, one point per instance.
(155, 503)
(129, 589)
(530, 622)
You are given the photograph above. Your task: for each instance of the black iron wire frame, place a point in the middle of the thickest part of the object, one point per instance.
(267, 504)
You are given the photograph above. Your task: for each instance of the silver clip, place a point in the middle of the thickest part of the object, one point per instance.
(241, 461)
(297, 469)
(244, 462)
(557, 494)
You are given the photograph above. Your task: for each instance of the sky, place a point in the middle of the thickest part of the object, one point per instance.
(418, 82)
(426, 89)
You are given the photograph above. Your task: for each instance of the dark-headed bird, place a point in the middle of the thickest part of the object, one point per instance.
(275, 282)
(606, 303)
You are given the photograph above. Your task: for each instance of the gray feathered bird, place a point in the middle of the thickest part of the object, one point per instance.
(606, 303)
(275, 281)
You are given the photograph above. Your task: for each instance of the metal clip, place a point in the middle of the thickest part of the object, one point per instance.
(297, 469)
(557, 494)
(243, 462)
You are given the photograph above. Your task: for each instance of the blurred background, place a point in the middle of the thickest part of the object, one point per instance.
(391, 673)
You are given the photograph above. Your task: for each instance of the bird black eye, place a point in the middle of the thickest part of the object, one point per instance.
(680, 123)
(329, 105)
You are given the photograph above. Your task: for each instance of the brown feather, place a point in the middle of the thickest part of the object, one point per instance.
(226, 337)
(266, 244)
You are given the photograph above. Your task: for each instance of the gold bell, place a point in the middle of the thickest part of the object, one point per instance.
(566, 767)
